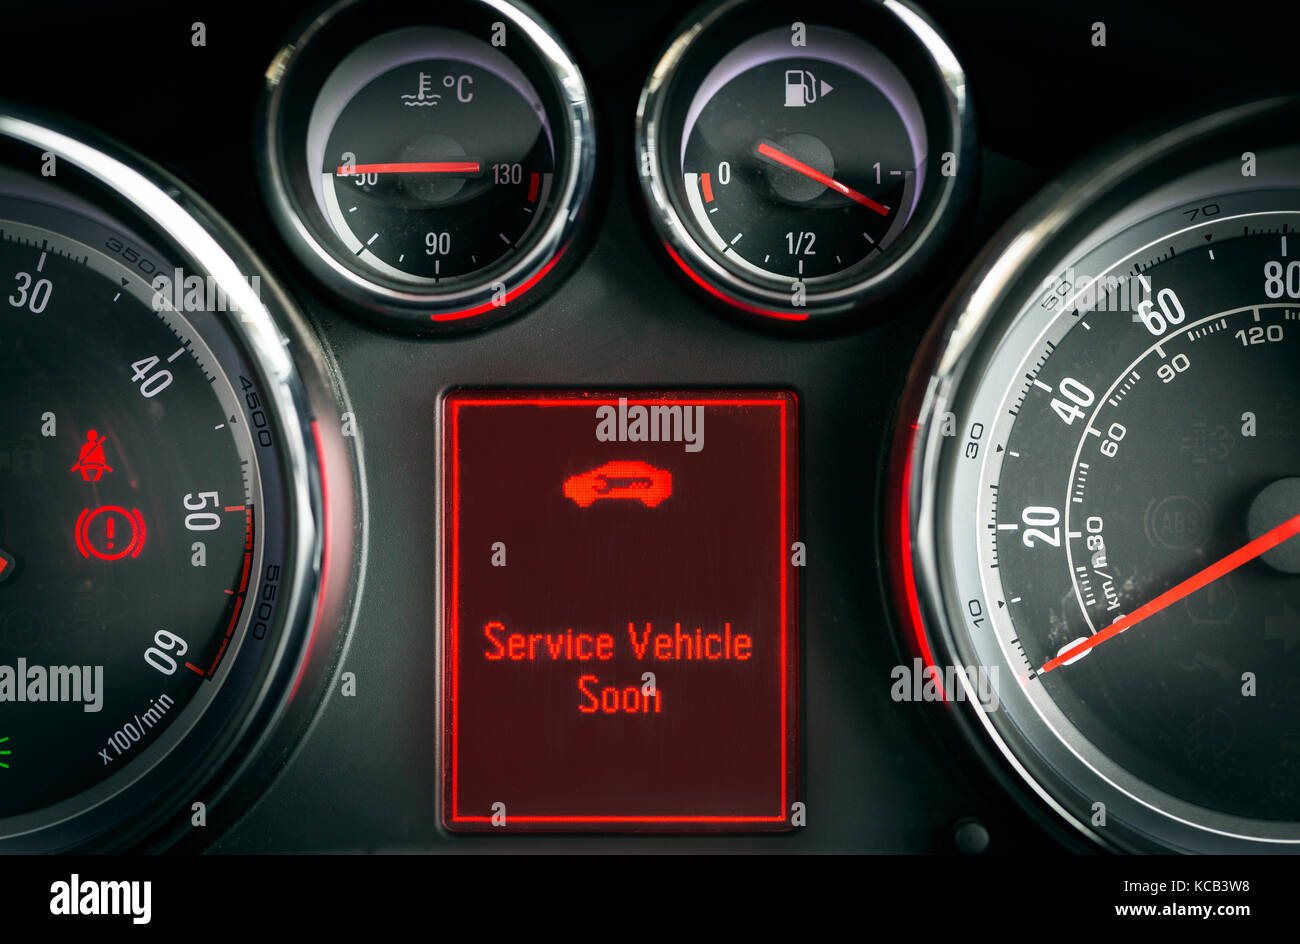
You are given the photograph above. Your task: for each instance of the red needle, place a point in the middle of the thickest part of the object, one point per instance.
(766, 150)
(428, 167)
(1261, 545)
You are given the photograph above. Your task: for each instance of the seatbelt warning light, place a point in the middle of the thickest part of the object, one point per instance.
(619, 634)
(91, 460)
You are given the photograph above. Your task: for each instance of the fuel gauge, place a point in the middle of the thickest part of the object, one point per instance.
(801, 167)
(808, 166)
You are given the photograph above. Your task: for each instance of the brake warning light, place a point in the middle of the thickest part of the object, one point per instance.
(105, 540)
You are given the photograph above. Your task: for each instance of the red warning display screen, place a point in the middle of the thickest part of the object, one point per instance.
(620, 636)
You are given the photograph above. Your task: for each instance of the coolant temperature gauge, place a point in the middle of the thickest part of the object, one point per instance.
(436, 169)
(433, 173)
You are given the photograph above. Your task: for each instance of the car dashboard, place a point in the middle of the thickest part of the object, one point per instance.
(747, 427)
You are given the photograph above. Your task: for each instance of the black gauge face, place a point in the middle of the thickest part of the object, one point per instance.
(147, 562)
(439, 168)
(129, 507)
(1144, 455)
(800, 166)
(433, 174)
(1120, 522)
(806, 170)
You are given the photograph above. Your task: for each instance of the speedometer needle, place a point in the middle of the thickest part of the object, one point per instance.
(455, 168)
(1256, 548)
(772, 154)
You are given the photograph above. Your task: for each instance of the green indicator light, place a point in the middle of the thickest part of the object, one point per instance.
(4, 753)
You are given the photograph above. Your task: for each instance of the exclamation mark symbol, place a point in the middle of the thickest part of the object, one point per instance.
(109, 527)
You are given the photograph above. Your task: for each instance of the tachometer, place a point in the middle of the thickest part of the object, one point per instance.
(1104, 494)
(161, 499)
(132, 502)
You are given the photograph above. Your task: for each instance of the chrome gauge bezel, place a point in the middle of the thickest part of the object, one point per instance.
(294, 78)
(265, 693)
(934, 73)
(1093, 221)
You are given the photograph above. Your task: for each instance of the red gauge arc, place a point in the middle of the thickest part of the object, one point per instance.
(718, 293)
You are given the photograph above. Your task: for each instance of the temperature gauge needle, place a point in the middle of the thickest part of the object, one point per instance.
(466, 168)
(780, 157)
(1244, 555)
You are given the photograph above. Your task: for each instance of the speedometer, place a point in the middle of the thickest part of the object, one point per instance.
(1104, 494)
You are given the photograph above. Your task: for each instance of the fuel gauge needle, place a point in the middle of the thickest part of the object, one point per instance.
(780, 157)
(1243, 555)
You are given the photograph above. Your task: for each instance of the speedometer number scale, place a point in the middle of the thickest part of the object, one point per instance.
(1102, 497)
(1137, 474)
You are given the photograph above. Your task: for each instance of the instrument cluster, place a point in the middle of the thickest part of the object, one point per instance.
(743, 427)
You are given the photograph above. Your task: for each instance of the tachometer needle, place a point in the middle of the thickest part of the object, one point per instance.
(1256, 548)
(780, 157)
(454, 168)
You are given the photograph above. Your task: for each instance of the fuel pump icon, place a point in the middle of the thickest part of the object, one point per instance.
(803, 88)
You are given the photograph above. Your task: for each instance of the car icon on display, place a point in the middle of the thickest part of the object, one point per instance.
(634, 480)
